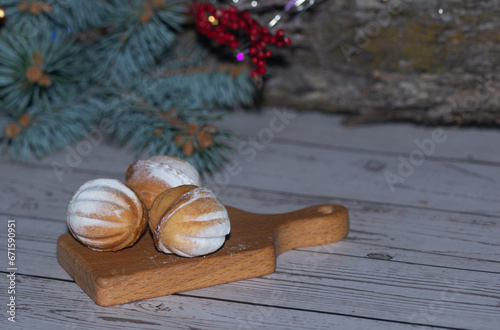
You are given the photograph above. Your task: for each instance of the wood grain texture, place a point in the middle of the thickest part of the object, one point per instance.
(141, 272)
(462, 145)
(470, 189)
(44, 307)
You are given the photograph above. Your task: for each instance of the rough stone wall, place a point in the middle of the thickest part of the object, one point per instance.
(427, 61)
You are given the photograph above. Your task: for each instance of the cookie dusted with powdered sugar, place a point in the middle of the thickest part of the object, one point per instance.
(106, 215)
(149, 178)
(188, 221)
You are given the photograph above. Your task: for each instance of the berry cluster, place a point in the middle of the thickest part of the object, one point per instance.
(225, 26)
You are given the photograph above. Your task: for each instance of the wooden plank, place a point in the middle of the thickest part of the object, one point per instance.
(462, 144)
(42, 306)
(465, 187)
(379, 225)
(439, 297)
(440, 185)
(36, 242)
(35, 191)
(315, 129)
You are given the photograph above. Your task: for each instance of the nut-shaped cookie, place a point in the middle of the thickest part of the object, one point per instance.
(188, 221)
(106, 215)
(149, 178)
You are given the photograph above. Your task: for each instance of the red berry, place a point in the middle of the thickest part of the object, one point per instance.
(233, 44)
(273, 40)
(255, 60)
(263, 44)
(279, 44)
(262, 70)
(280, 33)
(252, 51)
(268, 54)
(253, 74)
(287, 41)
(264, 31)
(260, 55)
(261, 63)
(253, 37)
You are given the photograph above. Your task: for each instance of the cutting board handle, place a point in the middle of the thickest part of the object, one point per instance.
(315, 225)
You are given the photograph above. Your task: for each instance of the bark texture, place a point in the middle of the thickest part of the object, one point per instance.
(426, 61)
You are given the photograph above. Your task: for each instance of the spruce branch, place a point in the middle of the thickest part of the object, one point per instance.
(139, 33)
(47, 132)
(37, 72)
(144, 124)
(84, 15)
(28, 17)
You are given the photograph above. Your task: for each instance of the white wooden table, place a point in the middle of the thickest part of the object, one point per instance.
(424, 254)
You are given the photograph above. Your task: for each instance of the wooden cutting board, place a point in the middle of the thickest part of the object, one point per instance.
(140, 271)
